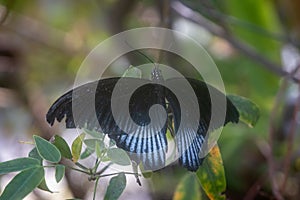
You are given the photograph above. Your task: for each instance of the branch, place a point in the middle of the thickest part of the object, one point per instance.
(219, 31)
(290, 141)
(270, 152)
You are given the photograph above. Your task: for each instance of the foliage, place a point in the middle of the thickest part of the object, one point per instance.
(31, 169)
(64, 31)
(211, 174)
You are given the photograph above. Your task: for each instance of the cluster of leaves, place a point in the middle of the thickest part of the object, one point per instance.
(32, 168)
(211, 175)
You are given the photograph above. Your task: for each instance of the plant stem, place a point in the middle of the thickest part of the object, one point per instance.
(81, 166)
(104, 168)
(79, 170)
(95, 188)
(116, 173)
(96, 165)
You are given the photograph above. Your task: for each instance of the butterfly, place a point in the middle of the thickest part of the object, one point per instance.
(146, 144)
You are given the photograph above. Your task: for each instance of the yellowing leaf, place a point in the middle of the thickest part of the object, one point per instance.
(76, 147)
(212, 176)
(188, 188)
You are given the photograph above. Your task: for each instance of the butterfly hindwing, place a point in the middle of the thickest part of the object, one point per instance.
(147, 144)
(188, 140)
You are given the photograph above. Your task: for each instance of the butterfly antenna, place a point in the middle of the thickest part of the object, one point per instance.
(156, 72)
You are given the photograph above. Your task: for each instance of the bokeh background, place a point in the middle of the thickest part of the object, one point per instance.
(254, 43)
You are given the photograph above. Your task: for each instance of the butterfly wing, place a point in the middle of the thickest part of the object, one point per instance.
(81, 98)
(190, 142)
(144, 144)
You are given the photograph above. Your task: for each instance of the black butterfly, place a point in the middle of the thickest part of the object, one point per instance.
(146, 144)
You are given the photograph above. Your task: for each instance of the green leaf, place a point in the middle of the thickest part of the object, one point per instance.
(105, 159)
(63, 146)
(116, 186)
(35, 154)
(94, 145)
(118, 156)
(76, 147)
(43, 186)
(18, 164)
(132, 72)
(188, 188)
(99, 149)
(93, 133)
(212, 176)
(23, 183)
(86, 153)
(91, 143)
(47, 150)
(249, 111)
(59, 172)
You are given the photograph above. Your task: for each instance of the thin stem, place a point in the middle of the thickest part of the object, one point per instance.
(116, 173)
(291, 136)
(104, 169)
(270, 157)
(96, 165)
(79, 170)
(228, 19)
(81, 166)
(95, 188)
(49, 166)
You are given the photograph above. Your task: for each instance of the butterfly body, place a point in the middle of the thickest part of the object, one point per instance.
(139, 124)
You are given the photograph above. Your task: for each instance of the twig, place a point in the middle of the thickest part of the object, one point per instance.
(116, 173)
(255, 188)
(78, 170)
(209, 10)
(95, 188)
(217, 30)
(104, 169)
(270, 157)
(291, 136)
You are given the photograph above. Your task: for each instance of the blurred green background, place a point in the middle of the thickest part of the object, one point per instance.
(43, 43)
